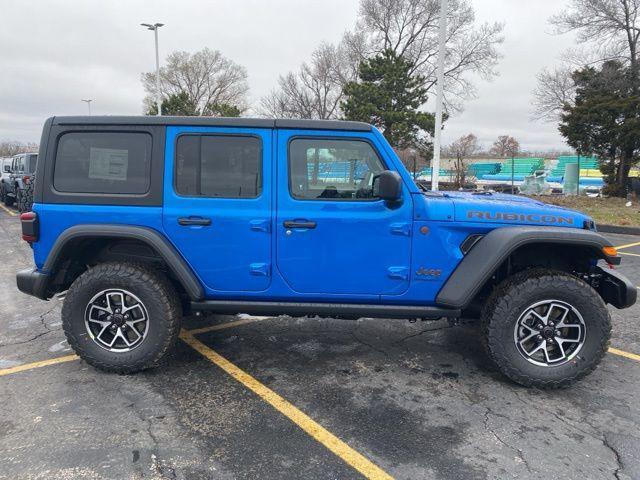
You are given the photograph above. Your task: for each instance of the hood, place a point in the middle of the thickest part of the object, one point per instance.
(512, 209)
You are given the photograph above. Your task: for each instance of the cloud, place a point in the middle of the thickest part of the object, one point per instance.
(57, 52)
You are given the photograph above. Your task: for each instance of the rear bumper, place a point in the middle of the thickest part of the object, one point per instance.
(33, 282)
(616, 289)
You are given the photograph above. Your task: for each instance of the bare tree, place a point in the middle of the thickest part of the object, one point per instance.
(555, 90)
(315, 91)
(606, 30)
(505, 146)
(13, 147)
(206, 76)
(461, 150)
(410, 29)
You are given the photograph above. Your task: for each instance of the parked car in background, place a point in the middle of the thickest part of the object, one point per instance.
(17, 181)
(5, 174)
(5, 178)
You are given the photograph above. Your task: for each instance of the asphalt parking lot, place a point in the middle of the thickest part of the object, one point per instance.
(251, 397)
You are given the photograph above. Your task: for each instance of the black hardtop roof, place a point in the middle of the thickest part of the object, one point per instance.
(213, 122)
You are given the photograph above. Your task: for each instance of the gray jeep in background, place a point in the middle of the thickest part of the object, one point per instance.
(16, 183)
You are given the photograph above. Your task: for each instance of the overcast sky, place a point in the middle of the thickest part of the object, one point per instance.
(55, 53)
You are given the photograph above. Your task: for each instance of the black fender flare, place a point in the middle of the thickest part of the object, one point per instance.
(149, 236)
(475, 269)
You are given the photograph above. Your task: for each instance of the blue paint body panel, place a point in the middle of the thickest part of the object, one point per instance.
(361, 251)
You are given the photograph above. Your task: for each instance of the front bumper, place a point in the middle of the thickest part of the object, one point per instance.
(33, 282)
(616, 289)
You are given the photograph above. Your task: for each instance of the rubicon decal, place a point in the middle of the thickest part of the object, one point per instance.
(522, 217)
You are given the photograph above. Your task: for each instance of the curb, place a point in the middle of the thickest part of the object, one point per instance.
(618, 229)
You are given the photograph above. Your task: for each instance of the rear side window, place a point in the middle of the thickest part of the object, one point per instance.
(103, 162)
(223, 166)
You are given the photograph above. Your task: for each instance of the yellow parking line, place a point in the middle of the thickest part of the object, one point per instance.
(622, 353)
(627, 253)
(628, 245)
(69, 358)
(43, 363)
(13, 214)
(306, 423)
(223, 326)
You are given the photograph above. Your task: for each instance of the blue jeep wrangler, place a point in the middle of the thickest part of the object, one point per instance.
(145, 219)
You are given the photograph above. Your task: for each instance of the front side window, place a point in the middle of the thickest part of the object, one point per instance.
(103, 162)
(222, 166)
(332, 169)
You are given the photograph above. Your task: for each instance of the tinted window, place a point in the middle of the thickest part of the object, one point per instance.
(31, 160)
(332, 169)
(103, 162)
(218, 166)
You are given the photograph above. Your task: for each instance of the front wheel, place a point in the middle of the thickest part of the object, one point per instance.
(121, 317)
(546, 328)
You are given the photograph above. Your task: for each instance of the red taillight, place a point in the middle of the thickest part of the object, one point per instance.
(29, 221)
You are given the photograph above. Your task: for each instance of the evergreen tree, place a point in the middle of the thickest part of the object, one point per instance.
(180, 104)
(605, 121)
(388, 96)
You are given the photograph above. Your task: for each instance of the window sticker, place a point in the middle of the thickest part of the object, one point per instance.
(108, 164)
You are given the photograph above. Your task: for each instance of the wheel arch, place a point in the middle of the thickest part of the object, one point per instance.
(80, 245)
(553, 247)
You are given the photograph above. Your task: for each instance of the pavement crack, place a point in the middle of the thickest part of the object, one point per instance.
(518, 451)
(427, 330)
(44, 325)
(616, 454)
(366, 344)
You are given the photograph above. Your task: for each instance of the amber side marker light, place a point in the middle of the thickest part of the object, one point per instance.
(610, 251)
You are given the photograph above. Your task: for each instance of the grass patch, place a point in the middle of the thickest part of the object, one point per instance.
(610, 211)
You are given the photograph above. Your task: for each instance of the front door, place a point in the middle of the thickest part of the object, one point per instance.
(332, 235)
(217, 204)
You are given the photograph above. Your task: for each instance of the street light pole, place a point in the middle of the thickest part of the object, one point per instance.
(155, 28)
(442, 36)
(88, 102)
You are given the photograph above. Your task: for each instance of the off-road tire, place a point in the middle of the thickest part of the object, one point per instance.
(19, 200)
(155, 292)
(510, 299)
(26, 198)
(8, 200)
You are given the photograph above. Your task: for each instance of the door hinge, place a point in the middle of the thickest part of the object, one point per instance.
(260, 225)
(398, 273)
(260, 269)
(401, 229)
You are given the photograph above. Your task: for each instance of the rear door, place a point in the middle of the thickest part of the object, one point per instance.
(332, 235)
(217, 204)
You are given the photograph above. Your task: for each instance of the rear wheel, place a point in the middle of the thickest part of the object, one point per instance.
(121, 317)
(8, 199)
(546, 328)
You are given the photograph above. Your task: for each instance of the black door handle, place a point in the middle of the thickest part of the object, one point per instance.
(187, 221)
(299, 224)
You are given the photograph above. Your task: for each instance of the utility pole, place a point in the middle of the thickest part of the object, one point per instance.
(578, 186)
(88, 102)
(155, 28)
(442, 36)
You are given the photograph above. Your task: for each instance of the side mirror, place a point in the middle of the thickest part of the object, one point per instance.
(7, 169)
(387, 186)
